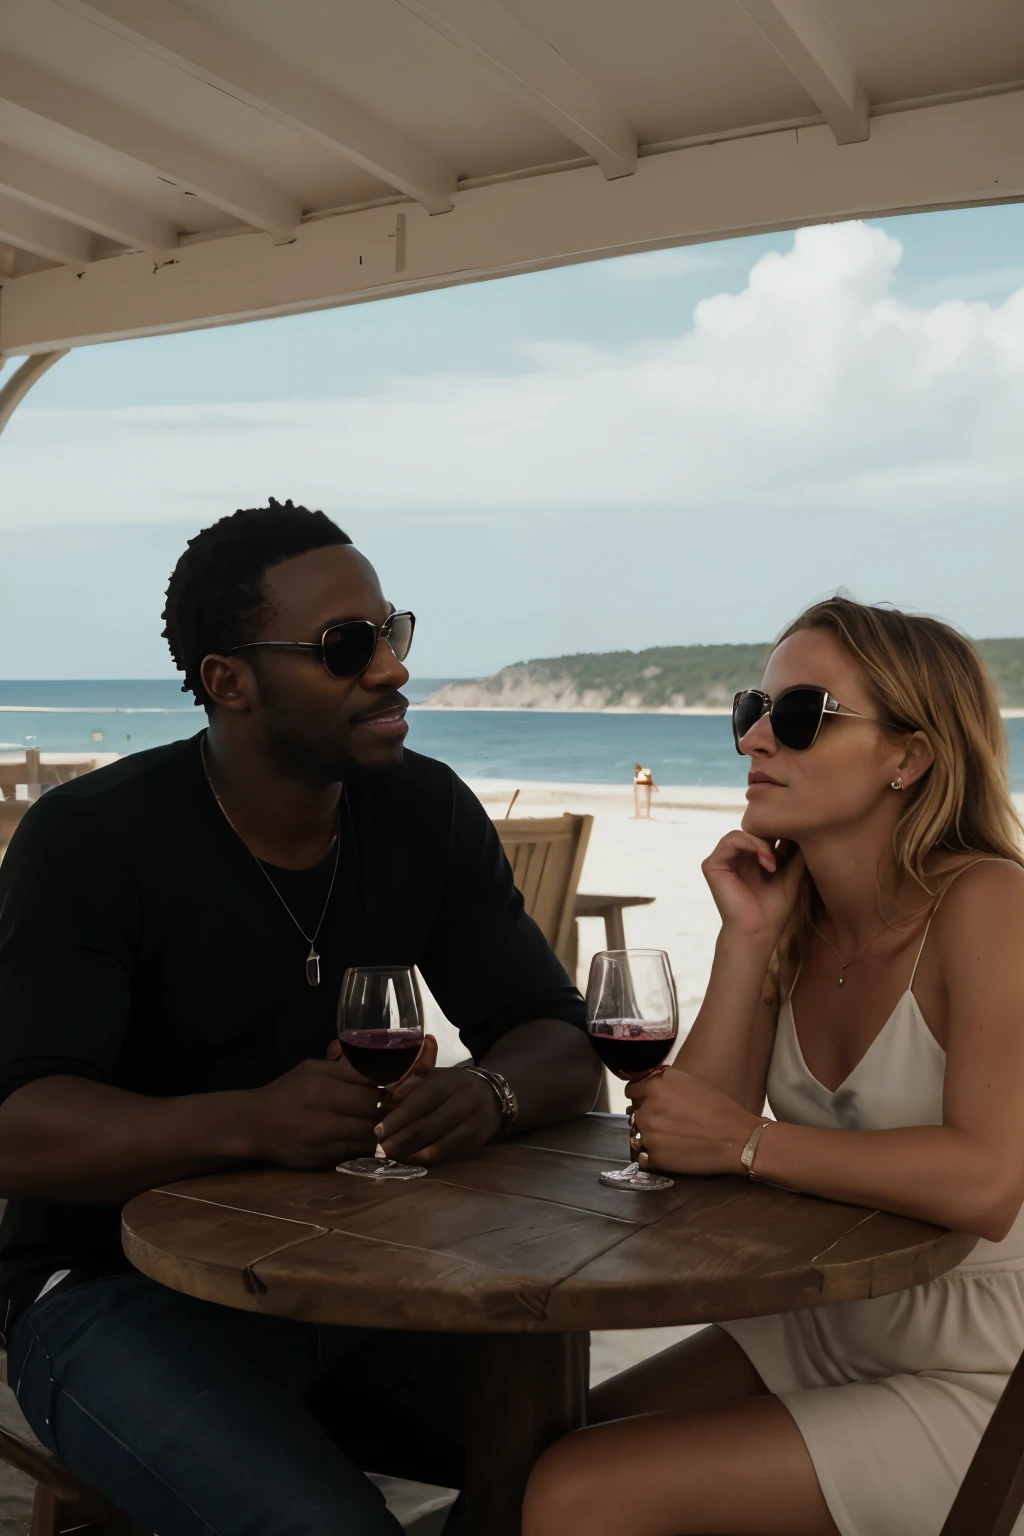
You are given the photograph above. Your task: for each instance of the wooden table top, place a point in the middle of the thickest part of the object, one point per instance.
(522, 1239)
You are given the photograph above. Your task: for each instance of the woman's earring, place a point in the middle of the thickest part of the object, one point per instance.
(896, 784)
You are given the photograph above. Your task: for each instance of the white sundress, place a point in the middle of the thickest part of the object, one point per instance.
(890, 1395)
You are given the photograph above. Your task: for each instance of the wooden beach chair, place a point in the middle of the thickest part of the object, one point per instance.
(991, 1495)
(546, 854)
(32, 770)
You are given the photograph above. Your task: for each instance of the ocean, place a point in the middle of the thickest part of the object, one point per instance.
(523, 745)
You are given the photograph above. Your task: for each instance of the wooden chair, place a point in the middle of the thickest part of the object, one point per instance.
(62, 1502)
(32, 770)
(992, 1493)
(546, 854)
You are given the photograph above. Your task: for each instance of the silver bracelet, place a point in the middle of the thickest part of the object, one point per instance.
(507, 1100)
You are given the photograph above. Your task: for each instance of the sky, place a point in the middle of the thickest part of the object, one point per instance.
(670, 448)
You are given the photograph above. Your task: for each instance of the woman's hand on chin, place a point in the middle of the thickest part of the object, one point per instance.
(686, 1126)
(755, 885)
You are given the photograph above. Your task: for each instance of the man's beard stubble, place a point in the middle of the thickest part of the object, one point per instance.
(306, 756)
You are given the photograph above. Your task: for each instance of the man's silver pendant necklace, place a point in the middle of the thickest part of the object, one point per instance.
(313, 958)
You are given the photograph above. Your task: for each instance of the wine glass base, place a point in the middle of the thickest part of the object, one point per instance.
(380, 1168)
(635, 1177)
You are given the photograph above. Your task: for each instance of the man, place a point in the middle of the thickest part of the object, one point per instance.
(173, 933)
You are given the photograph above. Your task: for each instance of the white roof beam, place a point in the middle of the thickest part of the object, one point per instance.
(57, 191)
(87, 117)
(32, 230)
(953, 155)
(272, 87)
(535, 72)
(799, 31)
(18, 385)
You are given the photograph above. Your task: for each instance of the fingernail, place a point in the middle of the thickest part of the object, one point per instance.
(378, 1131)
(642, 1159)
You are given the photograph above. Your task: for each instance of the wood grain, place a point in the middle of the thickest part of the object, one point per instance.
(992, 1494)
(525, 1395)
(525, 1249)
(522, 1239)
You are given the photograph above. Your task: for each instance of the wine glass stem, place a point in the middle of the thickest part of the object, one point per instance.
(378, 1151)
(634, 1161)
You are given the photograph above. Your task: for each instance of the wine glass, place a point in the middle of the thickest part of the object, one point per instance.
(380, 1027)
(632, 1021)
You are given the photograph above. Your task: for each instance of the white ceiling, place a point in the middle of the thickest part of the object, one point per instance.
(384, 145)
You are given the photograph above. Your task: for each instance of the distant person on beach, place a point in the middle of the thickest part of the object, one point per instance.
(643, 784)
(869, 981)
(173, 933)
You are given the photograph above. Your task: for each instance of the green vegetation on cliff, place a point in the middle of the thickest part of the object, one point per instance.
(1005, 661)
(666, 677)
(663, 677)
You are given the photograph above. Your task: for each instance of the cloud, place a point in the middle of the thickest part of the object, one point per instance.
(993, 283)
(813, 387)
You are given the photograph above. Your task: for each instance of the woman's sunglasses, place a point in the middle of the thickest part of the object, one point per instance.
(795, 716)
(346, 650)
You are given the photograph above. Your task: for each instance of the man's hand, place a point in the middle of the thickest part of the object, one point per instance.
(316, 1115)
(448, 1113)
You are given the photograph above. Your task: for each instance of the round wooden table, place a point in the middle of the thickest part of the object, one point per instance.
(523, 1247)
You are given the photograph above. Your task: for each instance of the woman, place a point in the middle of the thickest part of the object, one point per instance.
(869, 977)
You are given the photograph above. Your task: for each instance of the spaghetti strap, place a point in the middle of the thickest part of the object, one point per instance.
(927, 927)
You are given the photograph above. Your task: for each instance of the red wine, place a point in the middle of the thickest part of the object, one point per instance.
(382, 1055)
(629, 1047)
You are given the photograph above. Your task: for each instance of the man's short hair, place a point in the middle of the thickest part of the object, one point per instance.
(216, 597)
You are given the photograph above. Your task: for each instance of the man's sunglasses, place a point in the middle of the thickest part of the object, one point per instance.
(346, 650)
(795, 716)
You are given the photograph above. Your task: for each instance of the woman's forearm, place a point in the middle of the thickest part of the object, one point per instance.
(730, 1041)
(935, 1173)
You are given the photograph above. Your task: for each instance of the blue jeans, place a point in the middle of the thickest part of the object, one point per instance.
(197, 1419)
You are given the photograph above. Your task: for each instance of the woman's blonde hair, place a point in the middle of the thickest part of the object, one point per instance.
(924, 676)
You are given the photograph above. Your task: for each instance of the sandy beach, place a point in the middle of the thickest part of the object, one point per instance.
(659, 858)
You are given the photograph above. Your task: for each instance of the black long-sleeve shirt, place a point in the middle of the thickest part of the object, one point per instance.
(141, 945)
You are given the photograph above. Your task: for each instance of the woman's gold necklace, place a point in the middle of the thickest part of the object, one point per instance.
(845, 964)
(312, 959)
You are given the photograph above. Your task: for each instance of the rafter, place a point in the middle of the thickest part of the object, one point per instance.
(59, 192)
(32, 230)
(801, 34)
(18, 385)
(950, 155)
(211, 176)
(535, 72)
(273, 87)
